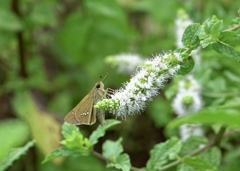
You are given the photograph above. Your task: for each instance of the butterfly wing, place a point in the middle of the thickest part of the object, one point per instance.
(84, 113)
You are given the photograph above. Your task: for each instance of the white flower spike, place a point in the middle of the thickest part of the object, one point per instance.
(143, 86)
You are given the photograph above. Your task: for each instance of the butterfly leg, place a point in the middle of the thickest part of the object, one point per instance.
(109, 92)
(101, 116)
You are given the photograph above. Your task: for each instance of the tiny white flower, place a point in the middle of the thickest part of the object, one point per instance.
(125, 63)
(188, 100)
(187, 130)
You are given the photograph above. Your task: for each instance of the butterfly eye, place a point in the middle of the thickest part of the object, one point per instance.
(98, 85)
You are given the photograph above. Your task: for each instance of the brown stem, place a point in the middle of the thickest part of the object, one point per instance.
(100, 156)
(233, 28)
(19, 35)
(107, 160)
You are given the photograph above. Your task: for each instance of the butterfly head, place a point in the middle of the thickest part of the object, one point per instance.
(99, 85)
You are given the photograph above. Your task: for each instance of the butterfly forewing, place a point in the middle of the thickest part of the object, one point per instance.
(83, 113)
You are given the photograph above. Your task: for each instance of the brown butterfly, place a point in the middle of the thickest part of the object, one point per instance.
(85, 113)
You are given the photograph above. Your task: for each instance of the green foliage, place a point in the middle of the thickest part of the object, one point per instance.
(225, 117)
(14, 154)
(163, 153)
(14, 133)
(61, 152)
(212, 156)
(74, 144)
(186, 67)
(195, 163)
(210, 31)
(229, 45)
(190, 36)
(191, 144)
(74, 140)
(100, 131)
(112, 151)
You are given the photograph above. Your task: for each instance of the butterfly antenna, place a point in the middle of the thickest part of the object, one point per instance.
(105, 77)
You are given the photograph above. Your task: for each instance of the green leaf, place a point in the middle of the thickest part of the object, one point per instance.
(186, 66)
(122, 162)
(112, 149)
(13, 133)
(9, 21)
(74, 140)
(191, 144)
(163, 153)
(212, 156)
(230, 159)
(229, 45)
(68, 130)
(190, 36)
(209, 31)
(100, 131)
(61, 152)
(195, 163)
(209, 116)
(14, 155)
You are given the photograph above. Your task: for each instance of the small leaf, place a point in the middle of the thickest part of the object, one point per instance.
(209, 31)
(100, 131)
(212, 156)
(69, 129)
(209, 116)
(112, 149)
(74, 140)
(229, 45)
(190, 36)
(14, 155)
(60, 152)
(122, 162)
(163, 153)
(191, 144)
(13, 133)
(186, 66)
(195, 163)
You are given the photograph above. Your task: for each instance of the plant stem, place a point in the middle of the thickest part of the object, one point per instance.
(233, 28)
(214, 142)
(98, 155)
(219, 136)
(19, 34)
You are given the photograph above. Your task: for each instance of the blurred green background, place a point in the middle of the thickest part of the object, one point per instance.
(52, 53)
